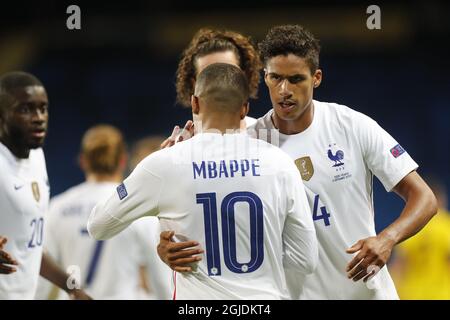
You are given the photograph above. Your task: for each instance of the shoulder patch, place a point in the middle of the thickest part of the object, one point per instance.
(122, 191)
(397, 151)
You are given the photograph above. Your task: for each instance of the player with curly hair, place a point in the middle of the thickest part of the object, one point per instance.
(210, 46)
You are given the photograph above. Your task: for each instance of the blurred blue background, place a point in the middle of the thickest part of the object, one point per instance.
(120, 69)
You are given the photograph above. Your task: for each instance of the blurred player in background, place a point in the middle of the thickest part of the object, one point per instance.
(337, 151)
(248, 189)
(142, 148)
(24, 190)
(421, 266)
(213, 46)
(139, 150)
(108, 269)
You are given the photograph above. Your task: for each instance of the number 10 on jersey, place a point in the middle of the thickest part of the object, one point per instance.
(209, 201)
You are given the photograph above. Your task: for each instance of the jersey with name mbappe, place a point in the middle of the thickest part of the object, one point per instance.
(241, 198)
(24, 194)
(337, 156)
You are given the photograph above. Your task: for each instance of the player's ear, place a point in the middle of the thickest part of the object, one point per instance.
(82, 162)
(2, 130)
(317, 78)
(195, 104)
(3, 108)
(123, 161)
(266, 74)
(244, 110)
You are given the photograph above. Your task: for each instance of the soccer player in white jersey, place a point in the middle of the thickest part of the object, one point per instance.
(337, 151)
(108, 269)
(242, 194)
(139, 151)
(24, 190)
(214, 46)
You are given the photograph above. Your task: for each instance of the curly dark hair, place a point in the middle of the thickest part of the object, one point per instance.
(282, 40)
(207, 41)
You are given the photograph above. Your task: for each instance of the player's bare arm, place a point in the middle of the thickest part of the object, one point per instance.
(53, 273)
(178, 255)
(6, 261)
(420, 207)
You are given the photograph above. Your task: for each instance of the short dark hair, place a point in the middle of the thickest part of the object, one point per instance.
(17, 79)
(14, 80)
(286, 39)
(223, 86)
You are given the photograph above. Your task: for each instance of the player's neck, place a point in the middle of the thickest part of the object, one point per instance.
(97, 177)
(223, 124)
(295, 126)
(17, 151)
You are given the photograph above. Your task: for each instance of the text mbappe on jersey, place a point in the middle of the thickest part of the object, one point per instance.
(226, 168)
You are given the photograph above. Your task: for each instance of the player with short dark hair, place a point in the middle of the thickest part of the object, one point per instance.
(24, 189)
(244, 187)
(337, 151)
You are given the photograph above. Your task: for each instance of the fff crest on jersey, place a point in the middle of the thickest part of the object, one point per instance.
(337, 157)
(305, 167)
(35, 189)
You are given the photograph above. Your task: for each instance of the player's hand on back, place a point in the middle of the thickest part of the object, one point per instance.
(178, 255)
(6, 261)
(79, 294)
(372, 254)
(179, 135)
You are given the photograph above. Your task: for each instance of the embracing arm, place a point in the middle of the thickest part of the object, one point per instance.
(136, 197)
(178, 255)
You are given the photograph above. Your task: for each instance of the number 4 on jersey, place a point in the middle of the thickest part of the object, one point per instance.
(323, 210)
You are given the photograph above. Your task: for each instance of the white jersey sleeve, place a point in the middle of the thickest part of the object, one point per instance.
(384, 156)
(299, 236)
(136, 197)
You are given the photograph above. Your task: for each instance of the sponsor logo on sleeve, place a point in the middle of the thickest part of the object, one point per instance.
(397, 151)
(122, 191)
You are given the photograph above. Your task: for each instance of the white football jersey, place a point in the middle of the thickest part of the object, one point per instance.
(24, 194)
(337, 156)
(249, 121)
(240, 198)
(106, 269)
